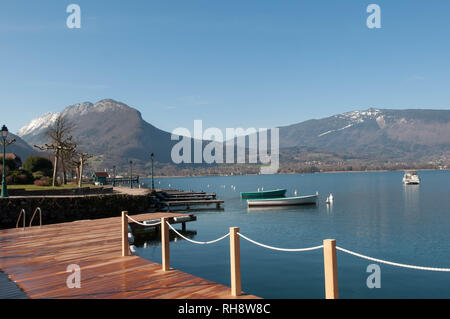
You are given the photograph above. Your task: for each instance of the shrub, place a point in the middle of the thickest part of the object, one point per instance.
(19, 177)
(10, 164)
(39, 174)
(44, 181)
(41, 164)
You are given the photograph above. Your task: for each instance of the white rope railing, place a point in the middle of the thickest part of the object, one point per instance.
(142, 224)
(392, 263)
(198, 242)
(281, 249)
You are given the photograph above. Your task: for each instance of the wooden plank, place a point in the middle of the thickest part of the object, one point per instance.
(194, 202)
(36, 259)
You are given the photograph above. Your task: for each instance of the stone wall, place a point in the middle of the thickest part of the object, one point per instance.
(71, 208)
(61, 192)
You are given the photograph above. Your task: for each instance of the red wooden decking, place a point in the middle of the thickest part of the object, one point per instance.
(36, 260)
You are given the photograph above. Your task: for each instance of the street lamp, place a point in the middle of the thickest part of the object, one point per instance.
(5, 143)
(153, 182)
(131, 174)
(114, 176)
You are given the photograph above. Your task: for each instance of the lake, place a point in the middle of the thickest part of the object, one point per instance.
(373, 214)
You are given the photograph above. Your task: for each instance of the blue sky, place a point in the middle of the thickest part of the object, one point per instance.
(247, 63)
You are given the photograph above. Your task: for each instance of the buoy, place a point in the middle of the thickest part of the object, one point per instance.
(130, 238)
(330, 199)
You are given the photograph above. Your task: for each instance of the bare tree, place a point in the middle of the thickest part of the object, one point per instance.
(79, 160)
(60, 143)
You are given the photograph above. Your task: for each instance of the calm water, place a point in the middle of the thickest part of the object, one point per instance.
(373, 214)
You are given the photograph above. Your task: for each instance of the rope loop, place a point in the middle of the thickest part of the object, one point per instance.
(280, 249)
(198, 242)
(142, 224)
(392, 263)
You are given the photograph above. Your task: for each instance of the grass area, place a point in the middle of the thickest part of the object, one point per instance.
(35, 188)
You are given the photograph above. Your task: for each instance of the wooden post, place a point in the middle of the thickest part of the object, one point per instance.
(330, 267)
(125, 246)
(235, 262)
(165, 245)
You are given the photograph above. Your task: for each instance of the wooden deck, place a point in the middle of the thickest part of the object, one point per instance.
(189, 203)
(36, 260)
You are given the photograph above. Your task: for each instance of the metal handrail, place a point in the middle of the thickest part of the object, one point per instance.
(22, 212)
(40, 216)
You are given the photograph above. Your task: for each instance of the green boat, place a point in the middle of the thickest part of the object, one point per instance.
(265, 194)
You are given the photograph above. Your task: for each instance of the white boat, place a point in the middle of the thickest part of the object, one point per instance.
(285, 201)
(411, 178)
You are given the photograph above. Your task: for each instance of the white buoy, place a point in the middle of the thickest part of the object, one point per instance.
(130, 238)
(330, 199)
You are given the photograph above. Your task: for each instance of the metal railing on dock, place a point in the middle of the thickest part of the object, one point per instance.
(40, 216)
(22, 215)
(329, 255)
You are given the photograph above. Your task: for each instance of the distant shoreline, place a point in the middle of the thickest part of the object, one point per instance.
(325, 172)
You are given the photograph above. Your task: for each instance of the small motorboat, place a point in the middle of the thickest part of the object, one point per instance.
(286, 201)
(411, 178)
(330, 199)
(265, 194)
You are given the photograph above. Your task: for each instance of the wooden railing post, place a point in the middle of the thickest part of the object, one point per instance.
(330, 267)
(125, 246)
(235, 262)
(165, 245)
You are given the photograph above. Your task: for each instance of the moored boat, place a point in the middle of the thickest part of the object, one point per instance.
(411, 178)
(286, 201)
(265, 194)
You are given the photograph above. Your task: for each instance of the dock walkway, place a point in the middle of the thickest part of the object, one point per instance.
(36, 259)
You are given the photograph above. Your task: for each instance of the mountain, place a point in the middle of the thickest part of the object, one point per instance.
(20, 147)
(111, 130)
(116, 133)
(386, 134)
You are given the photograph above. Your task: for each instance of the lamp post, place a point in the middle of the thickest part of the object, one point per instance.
(153, 182)
(114, 176)
(131, 174)
(5, 143)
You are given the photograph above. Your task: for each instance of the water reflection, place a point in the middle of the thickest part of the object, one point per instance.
(152, 237)
(411, 198)
(329, 208)
(283, 208)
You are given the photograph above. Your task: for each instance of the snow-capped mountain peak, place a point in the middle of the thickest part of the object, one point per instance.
(39, 124)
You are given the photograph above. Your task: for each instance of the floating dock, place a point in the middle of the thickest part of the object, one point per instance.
(188, 203)
(187, 199)
(37, 259)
